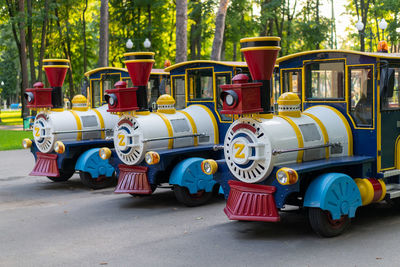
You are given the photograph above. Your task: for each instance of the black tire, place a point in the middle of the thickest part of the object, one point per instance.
(64, 176)
(322, 223)
(97, 183)
(183, 195)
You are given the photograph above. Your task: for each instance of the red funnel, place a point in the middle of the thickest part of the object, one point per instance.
(56, 69)
(139, 66)
(260, 54)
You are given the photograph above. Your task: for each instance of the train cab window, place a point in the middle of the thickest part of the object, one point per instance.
(220, 79)
(108, 82)
(291, 81)
(200, 84)
(390, 94)
(324, 81)
(128, 82)
(361, 95)
(178, 85)
(95, 85)
(153, 89)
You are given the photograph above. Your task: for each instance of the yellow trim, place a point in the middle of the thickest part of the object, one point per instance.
(139, 53)
(192, 123)
(397, 153)
(376, 55)
(323, 130)
(260, 48)
(56, 66)
(143, 113)
(104, 68)
(261, 38)
(347, 125)
(55, 60)
(78, 124)
(214, 122)
(373, 99)
(101, 120)
(378, 121)
(57, 109)
(169, 128)
(139, 60)
(299, 136)
(223, 63)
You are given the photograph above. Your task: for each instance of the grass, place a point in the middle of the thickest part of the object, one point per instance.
(13, 139)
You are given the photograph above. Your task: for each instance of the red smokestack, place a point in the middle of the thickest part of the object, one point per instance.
(56, 69)
(260, 54)
(139, 65)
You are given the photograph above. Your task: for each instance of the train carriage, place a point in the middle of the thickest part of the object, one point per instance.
(331, 147)
(65, 140)
(164, 147)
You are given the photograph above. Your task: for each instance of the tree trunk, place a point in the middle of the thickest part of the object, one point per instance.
(70, 78)
(103, 43)
(84, 38)
(181, 31)
(149, 19)
(24, 67)
(30, 43)
(219, 30)
(234, 51)
(43, 41)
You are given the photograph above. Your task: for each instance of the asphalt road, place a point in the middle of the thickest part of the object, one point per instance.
(43, 223)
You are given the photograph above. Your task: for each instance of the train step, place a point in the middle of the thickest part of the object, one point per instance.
(393, 190)
(389, 173)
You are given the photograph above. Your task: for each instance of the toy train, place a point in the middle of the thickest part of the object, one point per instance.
(65, 140)
(332, 147)
(165, 147)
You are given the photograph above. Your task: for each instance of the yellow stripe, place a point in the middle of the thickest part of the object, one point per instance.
(55, 60)
(56, 66)
(139, 60)
(396, 153)
(346, 124)
(57, 109)
(139, 53)
(78, 125)
(323, 130)
(260, 48)
(262, 38)
(378, 122)
(223, 63)
(101, 122)
(169, 128)
(194, 128)
(298, 135)
(214, 122)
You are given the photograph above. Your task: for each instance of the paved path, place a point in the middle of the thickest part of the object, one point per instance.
(12, 127)
(65, 224)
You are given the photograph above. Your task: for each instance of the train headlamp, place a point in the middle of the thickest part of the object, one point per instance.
(59, 147)
(111, 99)
(29, 97)
(209, 166)
(287, 176)
(230, 97)
(152, 158)
(26, 143)
(105, 153)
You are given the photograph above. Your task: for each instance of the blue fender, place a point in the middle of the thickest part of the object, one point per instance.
(334, 192)
(91, 162)
(187, 173)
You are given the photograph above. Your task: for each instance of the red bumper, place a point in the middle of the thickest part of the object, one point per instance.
(251, 202)
(46, 165)
(133, 180)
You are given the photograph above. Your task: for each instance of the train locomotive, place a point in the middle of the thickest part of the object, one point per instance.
(63, 140)
(331, 147)
(164, 148)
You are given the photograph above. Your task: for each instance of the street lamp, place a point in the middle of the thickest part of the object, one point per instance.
(129, 44)
(147, 43)
(360, 26)
(383, 25)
